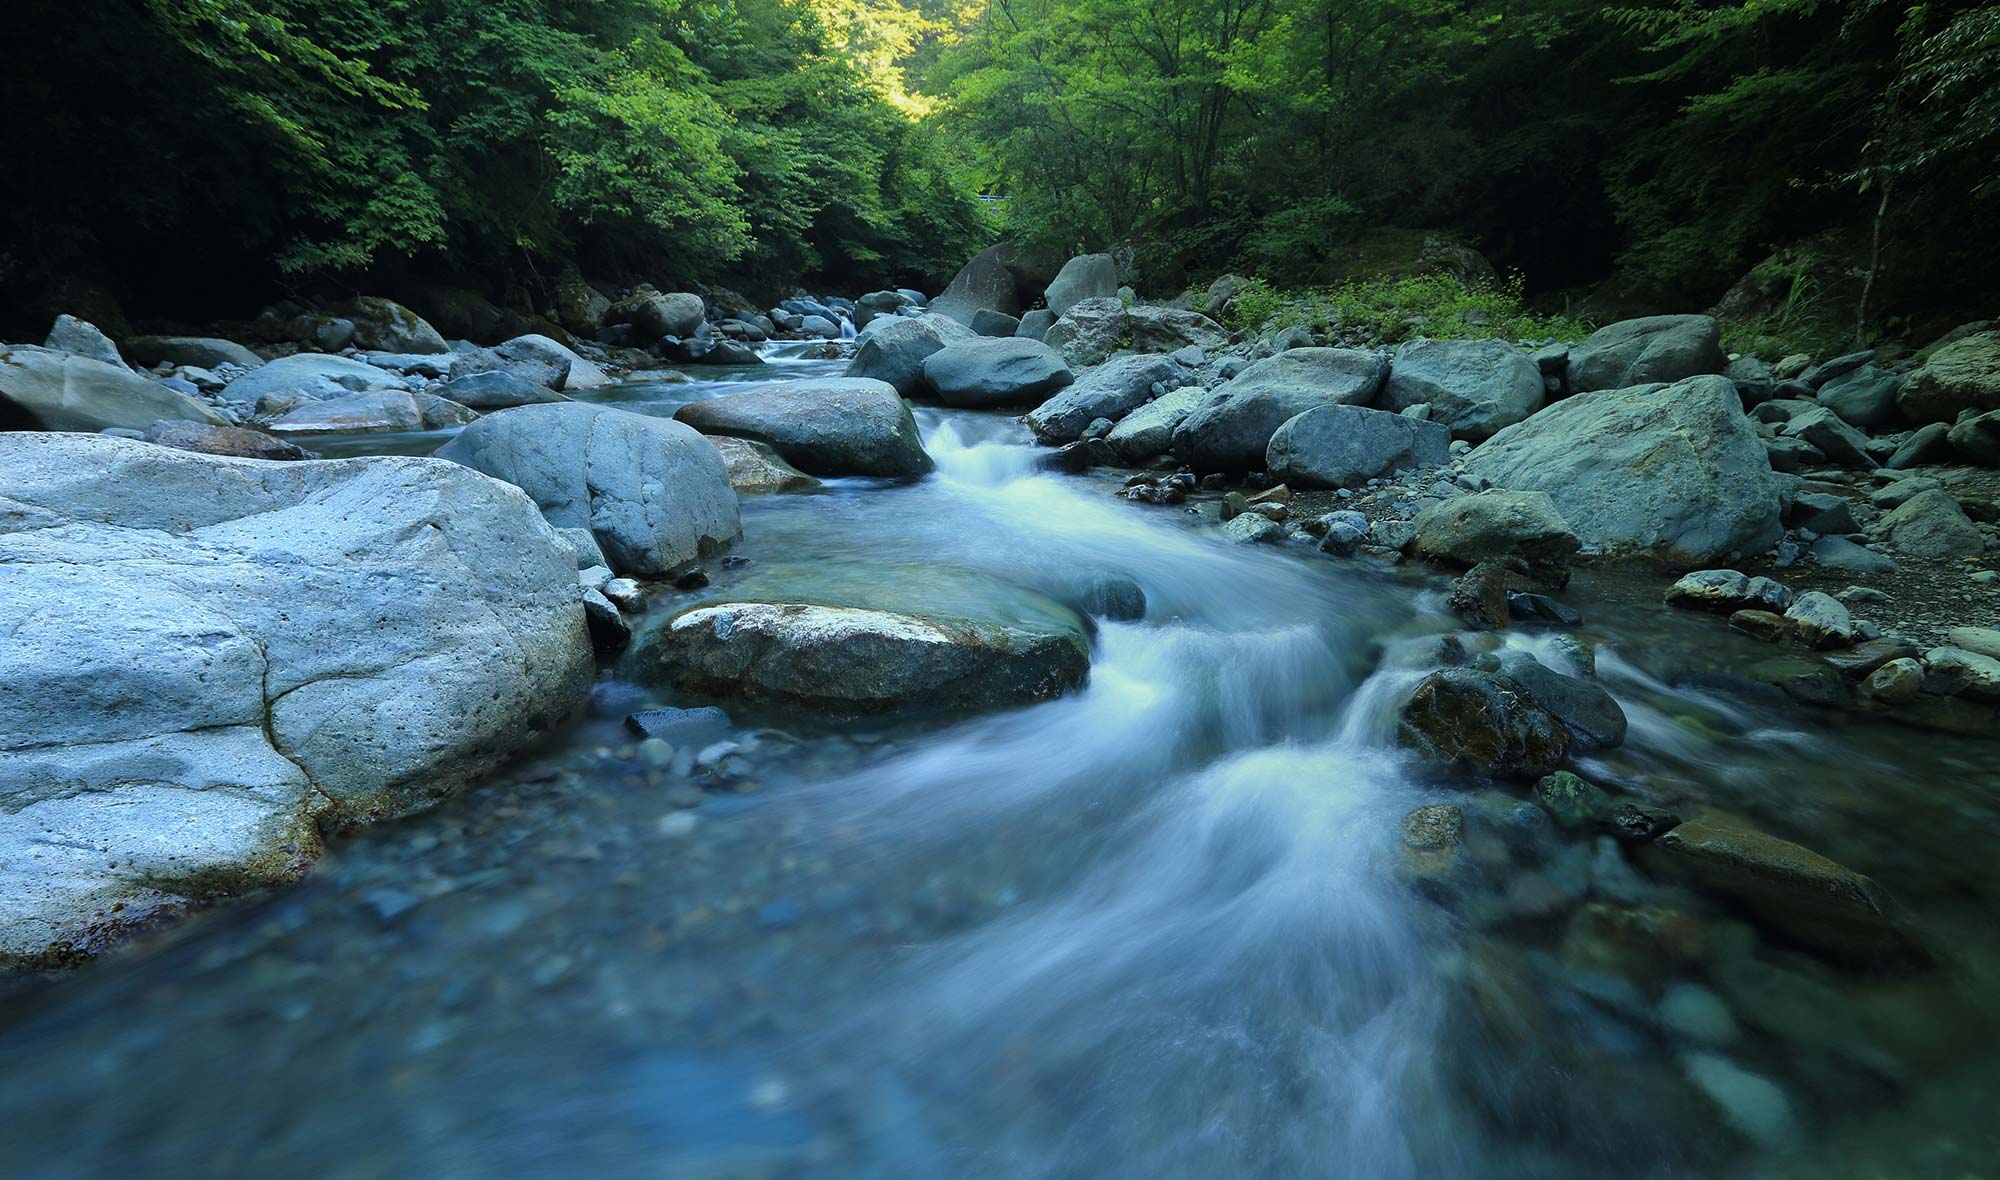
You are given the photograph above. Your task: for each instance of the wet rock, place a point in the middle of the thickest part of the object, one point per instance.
(1231, 429)
(292, 644)
(1810, 899)
(1116, 598)
(894, 349)
(1480, 597)
(688, 727)
(1897, 682)
(1592, 716)
(232, 441)
(1820, 620)
(1868, 655)
(1963, 375)
(1111, 390)
(1755, 1106)
(1761, 624)
(990, 373)
(1572, 802)
(1431, 836)
(609, 633)
(1079, 456)
(1482, 722)
(1473, 387)
(838, 426)
(756, 469)
(1728, 591)
(1346, 446)
(1930, 524)
(653, 493)
(1003, 647)
(1631, 823)
(1495, 526)
(61, 391)
(1665, 348)
(1675, 473)
(1540, 608)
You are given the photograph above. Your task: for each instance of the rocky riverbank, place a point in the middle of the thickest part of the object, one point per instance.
(1860, 495)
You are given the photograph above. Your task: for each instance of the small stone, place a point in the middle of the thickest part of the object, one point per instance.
(1897, 682)
(1572, 801)
(1435, 826)
(656, 753)
(678, 823)
(1821, 621)
(624, 593)
(1480, 597)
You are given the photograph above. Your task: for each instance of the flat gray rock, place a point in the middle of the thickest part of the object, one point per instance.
(63, 391)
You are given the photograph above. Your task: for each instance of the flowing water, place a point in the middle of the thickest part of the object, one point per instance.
(1163, 927)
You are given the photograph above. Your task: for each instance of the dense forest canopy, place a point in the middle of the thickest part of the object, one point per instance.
(181, 149)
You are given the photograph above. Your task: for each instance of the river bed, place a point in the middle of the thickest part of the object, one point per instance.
(1162, 927)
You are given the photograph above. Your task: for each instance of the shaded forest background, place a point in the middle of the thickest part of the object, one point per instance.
(1833, 164)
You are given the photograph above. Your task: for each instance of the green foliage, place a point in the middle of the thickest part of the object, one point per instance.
(675, 139)
(1439, 306)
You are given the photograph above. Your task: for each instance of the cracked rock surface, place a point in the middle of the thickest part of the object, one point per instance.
(207, 660)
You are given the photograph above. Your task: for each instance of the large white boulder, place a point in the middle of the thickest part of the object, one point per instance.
(654, 493)
(210, 659)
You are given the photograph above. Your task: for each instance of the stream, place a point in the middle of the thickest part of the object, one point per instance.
(1163, 927)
